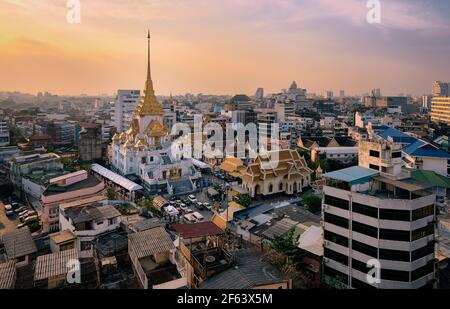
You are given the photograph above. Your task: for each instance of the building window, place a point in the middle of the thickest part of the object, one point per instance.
(422, 272)
(335, 238)
(375, 154)
(365, 210)
(336, 220)
(365, 249)
(423, 232)
(395, 215)
(395, 235)
(422, 252)
(423, 212)
(365, 229)
(396, 155)
(335, 256)
(394, 255)
(395, 275)
(112, 221)
(374, 167)
(360, 266)
(336, 202)
(270, 188)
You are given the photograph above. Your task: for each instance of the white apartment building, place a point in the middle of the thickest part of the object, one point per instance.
(125, 104)
(373, 212)
(88, 223)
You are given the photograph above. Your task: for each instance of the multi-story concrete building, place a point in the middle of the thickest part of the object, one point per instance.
(373, 214)
(440, 89)
(440, 109)
(125, 104)
(66, 189)
(22, 167)
(90, 143)
(4, 133)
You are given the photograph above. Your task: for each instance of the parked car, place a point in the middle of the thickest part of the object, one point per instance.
(190, 218)
(207, 206)
(21, 225)
(199, 205)
(21, 209)
(31, 219)
(9, 211)
(198, 216)
(192, 198)
(29, 213)
(183, 207)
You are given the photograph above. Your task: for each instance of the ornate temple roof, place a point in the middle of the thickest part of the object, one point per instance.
(149, 105)
(156, 129)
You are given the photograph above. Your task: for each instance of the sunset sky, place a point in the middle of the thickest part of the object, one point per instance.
(224, 46)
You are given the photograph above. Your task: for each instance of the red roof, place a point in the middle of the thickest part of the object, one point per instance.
(197, 230)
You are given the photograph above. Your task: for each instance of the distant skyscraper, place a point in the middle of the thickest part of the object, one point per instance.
(440, 89)
(259, 94)
(330, 95)
(125, 104)
(342, 93)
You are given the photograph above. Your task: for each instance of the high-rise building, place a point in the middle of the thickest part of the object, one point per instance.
(125, 104)
(426, 101)
(259, 94)
(330, 95)
(285, 109)
(90, 144)
(378, 223)
(440, 109)
(440, 89)
(342, 94)
(4, 133)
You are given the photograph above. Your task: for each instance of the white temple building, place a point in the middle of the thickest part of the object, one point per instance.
(144, 149)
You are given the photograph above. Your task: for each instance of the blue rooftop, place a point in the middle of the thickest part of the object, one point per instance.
(397, 136)
(423, 149)
(353, 175)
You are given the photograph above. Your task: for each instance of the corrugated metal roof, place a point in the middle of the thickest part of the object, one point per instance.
(116, 178)
(423, 149)
(197, 230)
(353, 175)
(150, 242)
(19, 243)
(7, 275)
(249, 272)
(55, 264)
(397, 136)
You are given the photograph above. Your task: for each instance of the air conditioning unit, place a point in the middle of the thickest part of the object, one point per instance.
(326, 261)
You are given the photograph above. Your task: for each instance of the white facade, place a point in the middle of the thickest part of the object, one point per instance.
(378, 215)
(125, 104)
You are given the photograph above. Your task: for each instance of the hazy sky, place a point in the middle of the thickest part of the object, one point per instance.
(224, 46)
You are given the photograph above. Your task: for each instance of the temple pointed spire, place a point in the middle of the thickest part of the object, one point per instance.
(149, 105)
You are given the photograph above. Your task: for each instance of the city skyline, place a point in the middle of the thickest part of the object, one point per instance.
(225, 47)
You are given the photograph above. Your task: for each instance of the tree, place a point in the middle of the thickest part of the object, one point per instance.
(111, 195)
(245, 200)
(286, 244)
(313, 203)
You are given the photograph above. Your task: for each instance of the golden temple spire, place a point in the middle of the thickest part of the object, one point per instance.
(149, 105)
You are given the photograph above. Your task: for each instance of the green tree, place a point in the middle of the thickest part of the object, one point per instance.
(313, 203)
(111, 194)
(286, 244)
(245, 200)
